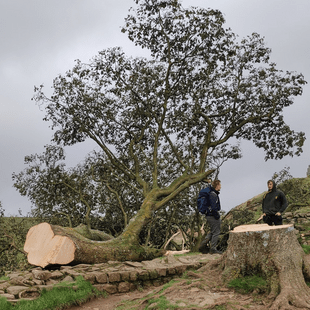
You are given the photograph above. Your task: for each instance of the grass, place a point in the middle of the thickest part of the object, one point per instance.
(169, 284)
(161, 303)
(306, 248)
(248, 284)
(127, 304)
(59, 297)
(187, 254)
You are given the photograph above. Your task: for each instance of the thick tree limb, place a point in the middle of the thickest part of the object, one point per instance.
(49, 244)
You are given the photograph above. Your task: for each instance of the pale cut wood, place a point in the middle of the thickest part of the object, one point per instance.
(45, 248)
(258, 227)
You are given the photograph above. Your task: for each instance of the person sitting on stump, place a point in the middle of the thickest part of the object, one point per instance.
(274, 204)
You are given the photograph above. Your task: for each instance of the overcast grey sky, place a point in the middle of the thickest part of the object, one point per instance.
(40, 39)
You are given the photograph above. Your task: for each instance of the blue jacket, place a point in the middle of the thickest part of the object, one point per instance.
(215, 205)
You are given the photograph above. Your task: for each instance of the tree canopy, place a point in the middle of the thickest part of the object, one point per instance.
(165, 122)
(64, 195)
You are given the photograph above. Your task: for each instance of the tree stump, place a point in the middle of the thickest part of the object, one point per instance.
(274, 253)
(48, 244)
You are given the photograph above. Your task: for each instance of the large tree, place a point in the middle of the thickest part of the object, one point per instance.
(163, 121)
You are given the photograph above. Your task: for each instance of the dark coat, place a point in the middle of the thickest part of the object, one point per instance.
(274, 201)
(215, 205)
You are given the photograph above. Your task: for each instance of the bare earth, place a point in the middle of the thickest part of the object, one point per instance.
(202, 289)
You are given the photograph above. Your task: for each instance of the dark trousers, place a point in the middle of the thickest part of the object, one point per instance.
(215, 230)
(272, 219)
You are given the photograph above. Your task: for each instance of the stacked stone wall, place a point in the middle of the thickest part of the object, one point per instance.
(301, 222)
(111, 277)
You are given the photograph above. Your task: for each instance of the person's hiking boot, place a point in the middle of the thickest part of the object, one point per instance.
(215, 251)
(203, 248)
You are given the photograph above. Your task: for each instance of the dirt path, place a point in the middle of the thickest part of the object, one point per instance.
(196, 290)
(111, 302)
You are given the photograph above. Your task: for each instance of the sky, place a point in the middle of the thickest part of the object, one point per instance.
(41, 39)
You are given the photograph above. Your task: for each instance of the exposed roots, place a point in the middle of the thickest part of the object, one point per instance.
(273, 252)
(289, 299)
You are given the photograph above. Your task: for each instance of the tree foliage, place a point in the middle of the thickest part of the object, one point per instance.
(53, 190)
(164, 122)
(71, 196)
(282, 176)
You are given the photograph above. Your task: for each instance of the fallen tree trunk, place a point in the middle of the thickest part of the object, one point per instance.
(55, 245)
(274, 253)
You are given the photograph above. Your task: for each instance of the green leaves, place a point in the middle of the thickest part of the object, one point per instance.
(184, 109)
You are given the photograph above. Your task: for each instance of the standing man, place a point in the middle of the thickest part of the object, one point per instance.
(274, 204)
(213, 218)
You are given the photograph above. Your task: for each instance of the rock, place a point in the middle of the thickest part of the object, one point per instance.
(15, 290)
(91, 277)
(68, 279)
(56, 275)
(114, 277)
(41, 274)
(124, 287)
(8, 296)
(102, 278)
(29, 293)
(109, 288)
(17, 280)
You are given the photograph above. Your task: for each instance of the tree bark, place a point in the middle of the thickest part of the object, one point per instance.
(274, 253)
(52, 245)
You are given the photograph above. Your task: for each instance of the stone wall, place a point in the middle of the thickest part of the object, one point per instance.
(111, 277)
(301, 222)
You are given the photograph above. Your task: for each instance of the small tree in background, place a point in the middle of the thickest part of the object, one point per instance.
(282, 176)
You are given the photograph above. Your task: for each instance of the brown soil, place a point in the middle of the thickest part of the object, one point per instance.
(202, 289)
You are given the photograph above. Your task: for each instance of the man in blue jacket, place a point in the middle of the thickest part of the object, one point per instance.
(213, 218)
(274, 204)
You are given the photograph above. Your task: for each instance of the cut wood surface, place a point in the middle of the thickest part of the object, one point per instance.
(45, 248)
(48, 244)
(259, 227)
